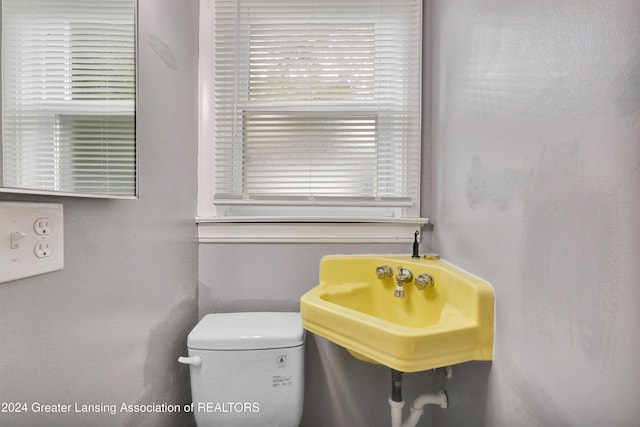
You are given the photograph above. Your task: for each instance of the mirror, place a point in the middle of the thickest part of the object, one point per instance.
(69, 97)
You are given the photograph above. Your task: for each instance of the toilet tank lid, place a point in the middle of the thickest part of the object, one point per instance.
(247, 331)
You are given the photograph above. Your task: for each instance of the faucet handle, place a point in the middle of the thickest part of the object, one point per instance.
(384, 272)
(424, 281)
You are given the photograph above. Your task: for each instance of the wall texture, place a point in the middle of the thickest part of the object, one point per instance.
(537, 163)
(109, 327)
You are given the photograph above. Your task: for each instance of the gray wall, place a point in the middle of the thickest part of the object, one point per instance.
(537, 166)
(110, 326)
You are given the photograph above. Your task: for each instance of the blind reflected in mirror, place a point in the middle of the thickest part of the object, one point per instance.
(69, 97)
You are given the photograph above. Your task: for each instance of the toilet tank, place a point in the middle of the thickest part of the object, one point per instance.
(251, 371)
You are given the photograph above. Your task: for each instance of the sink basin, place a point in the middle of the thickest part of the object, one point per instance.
(449, 323)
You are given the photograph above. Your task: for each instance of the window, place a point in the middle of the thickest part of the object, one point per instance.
(310, 109)
(68, 96)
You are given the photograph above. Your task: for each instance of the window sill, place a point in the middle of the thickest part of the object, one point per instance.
(307, 230)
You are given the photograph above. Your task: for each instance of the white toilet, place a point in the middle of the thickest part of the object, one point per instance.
(247, 369)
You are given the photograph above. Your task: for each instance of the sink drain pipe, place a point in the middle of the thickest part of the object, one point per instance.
(417, 408)
(395, 400)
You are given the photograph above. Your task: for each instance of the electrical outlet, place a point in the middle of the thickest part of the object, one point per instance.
(31, 239)
(42, 249)
(42, 226)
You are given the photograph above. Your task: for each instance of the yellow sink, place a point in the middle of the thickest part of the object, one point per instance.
(451, 322)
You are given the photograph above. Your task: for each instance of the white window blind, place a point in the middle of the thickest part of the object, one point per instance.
(68, 96)
(316, 107)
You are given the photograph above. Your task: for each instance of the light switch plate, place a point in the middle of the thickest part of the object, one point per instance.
(31, 239)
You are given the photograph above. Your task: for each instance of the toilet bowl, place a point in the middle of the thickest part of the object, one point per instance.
(247, 369)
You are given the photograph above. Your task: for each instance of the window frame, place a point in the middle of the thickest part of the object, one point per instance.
(216, 228)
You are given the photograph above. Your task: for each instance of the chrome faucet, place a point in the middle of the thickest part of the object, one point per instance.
(403, 276)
